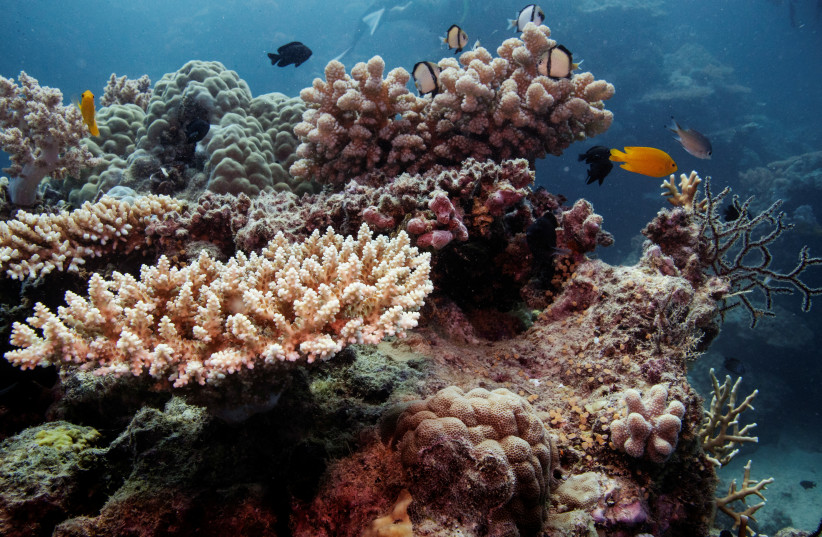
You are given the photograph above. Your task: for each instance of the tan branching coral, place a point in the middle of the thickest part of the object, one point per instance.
(650, 426)
(209, 319)
(749, 487)
(124, 91)
(685, 197)
(721, 433)
(487, 108)
(32, 245)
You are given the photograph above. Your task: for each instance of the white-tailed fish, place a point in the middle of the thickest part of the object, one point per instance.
(530, 13)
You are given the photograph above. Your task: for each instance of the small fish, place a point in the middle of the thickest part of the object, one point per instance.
(87, 109)
(732, 211)
(807, 484)
(294, 52)
(599, 163)
(426, 78)
(556, 62)
(477, 43)
(645, 160)
(530, 13)
(455, 38)
(196, 130)
(734, 365)
(692, 141)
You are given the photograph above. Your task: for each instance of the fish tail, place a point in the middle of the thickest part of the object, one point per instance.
(674, 126)
(618, 156)
(274, 58)
(92, 128)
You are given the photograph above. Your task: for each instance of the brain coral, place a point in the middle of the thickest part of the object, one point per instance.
(479, 457)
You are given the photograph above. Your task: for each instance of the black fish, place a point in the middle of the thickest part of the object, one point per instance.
(294, 52)
(734, 365)
(807, 484)
(732, 211)
(196, 130)
(599, 163)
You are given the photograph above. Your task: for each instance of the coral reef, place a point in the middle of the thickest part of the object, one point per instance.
(124, 91)
(480, 456)
(748, 487)
(488, 108)
(209, 319)
(41, 135)
(650, 427)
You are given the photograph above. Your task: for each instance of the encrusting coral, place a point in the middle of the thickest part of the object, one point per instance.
(488, 108)
(41, 136)
(650, 427)
(209, 319)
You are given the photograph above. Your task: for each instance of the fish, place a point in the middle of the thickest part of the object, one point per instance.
(645, 160)
(530, 13)
(196, 130)
(734, 365)
(599, 163)
(556, 62)
(426, 78)
(807, 484)
(87, 110)
(476, 45)
(692, 141)
(732, 211)
(294, 52)
(455, 38)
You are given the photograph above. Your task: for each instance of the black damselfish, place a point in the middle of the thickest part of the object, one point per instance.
(599, 163)
(294, 52)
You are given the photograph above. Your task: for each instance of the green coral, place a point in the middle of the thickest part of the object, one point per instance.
(67, 437)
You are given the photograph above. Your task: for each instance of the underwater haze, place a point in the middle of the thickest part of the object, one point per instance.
(747, 74)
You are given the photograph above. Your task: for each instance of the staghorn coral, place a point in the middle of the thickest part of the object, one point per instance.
(748, 487)
(41, 135)
(684, 196)
(32, 245)
(209, 319)
(478, 455)
(650, 427)
(720, 432)
(488, 108)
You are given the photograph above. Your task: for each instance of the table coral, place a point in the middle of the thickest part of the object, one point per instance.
(479, 455)
(209, 319)
(488, 108)
(41, 135)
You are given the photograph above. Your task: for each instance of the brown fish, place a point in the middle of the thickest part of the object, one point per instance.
(693, 141)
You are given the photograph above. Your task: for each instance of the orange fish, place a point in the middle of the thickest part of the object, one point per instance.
(645, 160)
(87, 109)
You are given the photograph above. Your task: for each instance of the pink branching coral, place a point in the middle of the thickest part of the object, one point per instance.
(41, 135)
(488, 108)
(124, 91)
(650, 426)
(210, 319)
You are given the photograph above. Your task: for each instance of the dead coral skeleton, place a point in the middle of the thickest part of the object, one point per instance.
(738, 252)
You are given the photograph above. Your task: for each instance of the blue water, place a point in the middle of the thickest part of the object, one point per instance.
(753, 44)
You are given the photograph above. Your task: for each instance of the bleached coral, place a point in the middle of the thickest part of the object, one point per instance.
(41, 135)
(488, 108)
(203, 321)
(32, 245)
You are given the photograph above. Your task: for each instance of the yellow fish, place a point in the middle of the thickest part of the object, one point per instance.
(645, 160)
(87, 109)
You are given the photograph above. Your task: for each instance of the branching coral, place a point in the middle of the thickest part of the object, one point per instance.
(749, 487)
(736, 251)
(209, 319)
(124, 91)
(721, 433)
(684, 197)
(41, 135)
(32, 245)
(488, 108)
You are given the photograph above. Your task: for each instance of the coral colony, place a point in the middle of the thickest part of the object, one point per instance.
(356, 316)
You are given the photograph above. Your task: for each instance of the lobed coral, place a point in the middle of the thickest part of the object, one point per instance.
(209, 319)
(650, 427)
(41, 135)
(481, 455)
(488, 108)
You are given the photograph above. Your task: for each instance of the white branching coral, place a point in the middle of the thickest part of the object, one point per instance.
(209, 319)
(32, 245)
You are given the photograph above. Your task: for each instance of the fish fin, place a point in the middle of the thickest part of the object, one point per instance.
(76, 102)
(93, 128)
(674, 127)
(343, 54)
(274, 58)
(373, 20)
(618, 156)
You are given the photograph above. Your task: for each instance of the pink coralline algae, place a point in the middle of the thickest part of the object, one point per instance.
(41, 135)
(488, 108)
